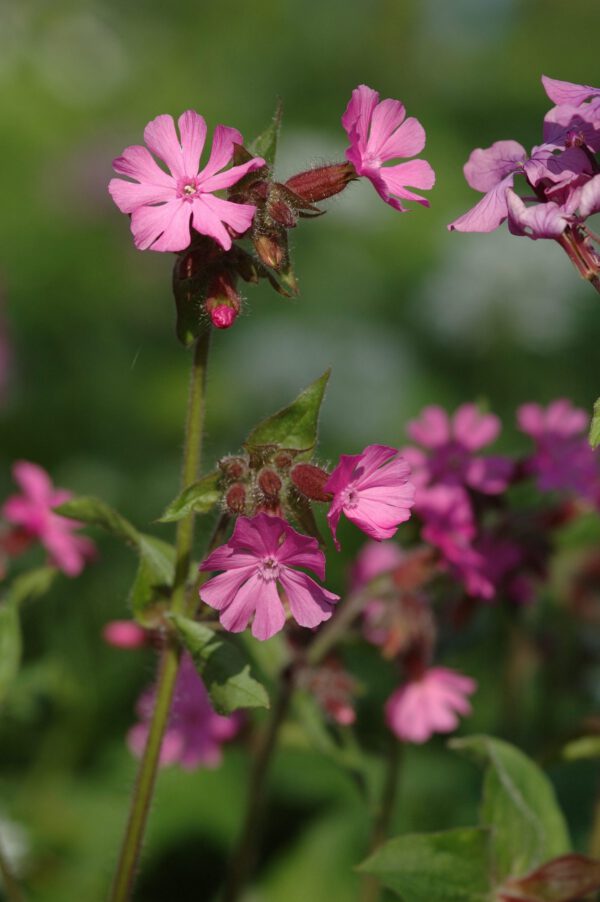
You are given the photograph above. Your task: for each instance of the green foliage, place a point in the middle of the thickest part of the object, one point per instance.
(31, 584)
(595, 426)
(157, 558)
(223, 666)
(435, 867)
(10, 645)
(200, 498)
(584, 747)
(519, 806)
(295, 426)
(265, 145)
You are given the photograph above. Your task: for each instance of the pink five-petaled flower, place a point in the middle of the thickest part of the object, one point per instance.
(373, 490)
(431, 704)
(451, 443)
(163, 204)
(379, 132)
(195, 732)
(575, 120)
(32, 512)
(262, 552)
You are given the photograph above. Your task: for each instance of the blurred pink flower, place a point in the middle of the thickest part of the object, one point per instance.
(373, 560)
(563, 459)
(125, 634)
(373, 490)
(379, 132)
(195, 732)
(451, 443)
(31, 512)
(162, 205)
(261, 553)
(431, 704)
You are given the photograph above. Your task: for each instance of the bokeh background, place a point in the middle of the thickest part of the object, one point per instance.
(404, 312)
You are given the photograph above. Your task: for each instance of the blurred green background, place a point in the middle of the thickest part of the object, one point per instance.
(405, 312)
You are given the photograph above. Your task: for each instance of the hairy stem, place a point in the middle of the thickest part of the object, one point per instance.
(169, 665)
(244, 857)
(11, 887)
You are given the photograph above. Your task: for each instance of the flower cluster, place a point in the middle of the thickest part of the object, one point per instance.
(31, 518)
(178, 208)
(561, 178)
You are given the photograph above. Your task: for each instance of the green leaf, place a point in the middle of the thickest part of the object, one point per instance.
(519, 805)
(200, 497)
(435, 867)
(295, 426)
(31, 584)
(10, 645)
(96, 513)
(223, 667)
(584, 747)
(265, 145)
(595, 426)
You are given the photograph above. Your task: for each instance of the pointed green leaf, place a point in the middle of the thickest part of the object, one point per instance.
(584, 747)
(435, 867)
(295, 426)
(96, 513)
(200, 497)
(10, 645)
(223, 666)
(31, 584)
(265, 145)
(595, 426)
(519, 805)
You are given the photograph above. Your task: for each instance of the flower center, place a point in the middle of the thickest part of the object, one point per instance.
(187, 187)
(269, 569)
(350, 498)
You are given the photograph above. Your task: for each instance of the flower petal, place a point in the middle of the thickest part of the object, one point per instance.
(220, 591)
(192, 128)
(310, 604)
(386, 118)
(475, 429)
(407, 141)
(128, 196)
(230, 176)
(270, 615)
(567, 91)
(486, 167)
(136, 162)
(164, 228)
(236, 616)
(357, 117)
(222, 150)
(161, 138)
(488, 214)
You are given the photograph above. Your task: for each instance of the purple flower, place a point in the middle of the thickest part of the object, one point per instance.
(431, 704)
(451, 443)
(32, 511)
(195, 732)
(563, 459)
(163, 205)
(373, 490)
(263, 552)
(379, 132)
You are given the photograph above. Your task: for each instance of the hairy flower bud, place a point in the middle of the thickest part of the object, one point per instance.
(322, 182)
(222, 302)
(283, 460)
(270, 483)
(235, 499)
(309, 480)
(272, 249)
(233, 468)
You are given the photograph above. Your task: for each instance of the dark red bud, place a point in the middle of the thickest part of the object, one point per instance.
(283, 460)
(270, 483)
(233, 467)
(322, 182)
(235, 499)
(271, 250)
(309, 480)
(282, 213)
(222, 301)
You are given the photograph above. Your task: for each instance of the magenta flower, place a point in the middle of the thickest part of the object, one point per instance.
(263, 552)
(563, 459)
(451, 443)
(379, 132)
(195, 732)
(125, 634)
(431, 704)
(375, 559)
(163, 205)
(373, 490)
(32, 512)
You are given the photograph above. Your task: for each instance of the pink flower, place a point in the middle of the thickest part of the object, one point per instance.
(451, 444)
(32, 512)
(563, 459)
(431, 704)
(375, 559)
(125, 634)
(379, 132)
(373, 490)
(195, 732)
(164, 205)
(262, 553)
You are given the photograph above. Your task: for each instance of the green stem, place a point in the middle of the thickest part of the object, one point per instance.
(343, 617)
(169, 665)
(244, 856)
(371, 887)
(11, 887)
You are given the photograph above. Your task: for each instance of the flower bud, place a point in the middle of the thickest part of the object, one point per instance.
(272, 249)
(125, 634)
(233, 468)
(235, 499)
(222, 301)
(322, 182)
(283, 460)
(309, 480)
(270, 483)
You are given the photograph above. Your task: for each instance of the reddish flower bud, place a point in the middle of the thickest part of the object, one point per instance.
(125, 634)
(233, 467)
(222, 301)
(222, 317)
(322, 182)
(283, 460)
(271, 249)
(309, 480)
(282, 212)
(270, 483)
(235, 499)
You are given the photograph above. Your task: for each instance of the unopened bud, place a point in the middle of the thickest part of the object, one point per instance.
(125, 634)
(271, 249)
(235, 499)
(322, 182)
(282, 212)
(309, 480)
(270, 483)
(222, 317)
(222, 301)
(233, 467)
(283, 460)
